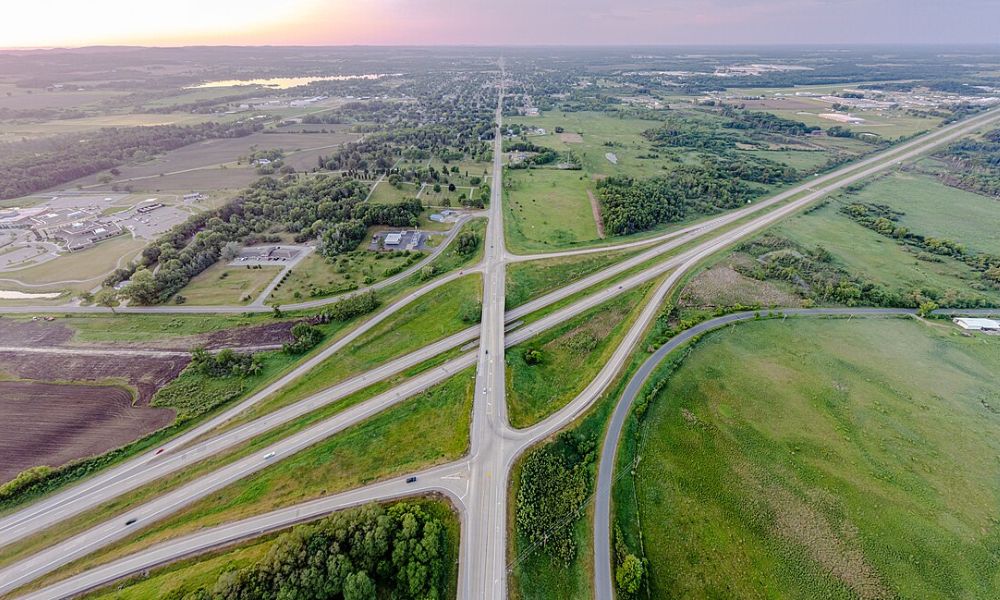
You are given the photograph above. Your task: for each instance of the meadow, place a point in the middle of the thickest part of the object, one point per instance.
(548, 209)
(823, 457)
(225, 284)
(865, 253)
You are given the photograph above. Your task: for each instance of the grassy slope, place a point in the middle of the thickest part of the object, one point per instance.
(529, 280)
(328, 277)
(573, 354)
(429, 429)
(429, 318)
(825, 457)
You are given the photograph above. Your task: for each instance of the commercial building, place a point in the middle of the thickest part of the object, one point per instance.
(971, 324)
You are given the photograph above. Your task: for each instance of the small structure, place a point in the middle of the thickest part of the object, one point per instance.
(393, 239)
(193, 197)
(971, 324)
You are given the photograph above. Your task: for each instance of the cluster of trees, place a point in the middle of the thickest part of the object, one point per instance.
(33, 165)
(555, 484)
(305, 337)
(350, 307)
(467, 243)
(629, 206)
(975, 164)
(225, 363)
(764, 121)
(362, 554)
(345, 236)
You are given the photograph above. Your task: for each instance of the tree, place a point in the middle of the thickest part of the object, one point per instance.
(437, 188)
(141, 288)
(451, 187)
(231, 250)
(533, 356)
(926, 308)
(108, 298)
(629, 574)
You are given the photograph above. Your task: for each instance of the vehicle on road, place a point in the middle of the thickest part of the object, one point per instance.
(159, 451)
(269, 456)
(130, 521)
(411, 479)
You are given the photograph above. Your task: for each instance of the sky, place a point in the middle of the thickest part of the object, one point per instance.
(45, 23)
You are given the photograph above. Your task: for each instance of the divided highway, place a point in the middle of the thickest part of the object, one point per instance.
(477, 484)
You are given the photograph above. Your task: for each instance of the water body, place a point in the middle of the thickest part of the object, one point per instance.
(283, 83)
(13, 295)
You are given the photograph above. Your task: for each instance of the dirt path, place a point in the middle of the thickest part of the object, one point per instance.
(596, 208)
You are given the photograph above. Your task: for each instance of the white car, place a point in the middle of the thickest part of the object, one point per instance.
(269, 455)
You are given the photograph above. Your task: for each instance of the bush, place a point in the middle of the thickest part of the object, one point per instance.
(306, 338)
(225, 363)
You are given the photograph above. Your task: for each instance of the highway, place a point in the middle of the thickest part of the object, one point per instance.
(495, 445)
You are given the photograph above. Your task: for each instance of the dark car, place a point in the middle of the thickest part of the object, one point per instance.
(129, 522)
(410, 479)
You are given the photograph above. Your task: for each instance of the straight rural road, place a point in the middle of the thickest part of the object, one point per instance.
(495, 445)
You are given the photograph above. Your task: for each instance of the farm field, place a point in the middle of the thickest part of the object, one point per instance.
(16, 131)
(863, 252)
(548, 209)
(318, 277)
(52, 424)
(824, 457)
(225, 284)
(193, 167)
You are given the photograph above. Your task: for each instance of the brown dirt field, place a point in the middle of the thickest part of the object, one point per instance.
(596, 209)
(45, 334)
(40, 334)
(723, 286)
(53, 424)
(571, 138)
(145, 373)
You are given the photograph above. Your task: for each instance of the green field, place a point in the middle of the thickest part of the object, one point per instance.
(389, 194)
(318, 277)
(586, 134)
(529, 280)
(429, 429)
(225, 284)
(934, 209)
(863, 252)
(825, 458)
(547, 210)
(571, 355)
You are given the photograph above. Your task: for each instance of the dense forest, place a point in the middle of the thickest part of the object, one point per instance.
(629, 206)
(371, 552)
(328, 207)
(34, 165)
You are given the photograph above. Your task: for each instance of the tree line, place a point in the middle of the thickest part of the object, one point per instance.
(34, 165)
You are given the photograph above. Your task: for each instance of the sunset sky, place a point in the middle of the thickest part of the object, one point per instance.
(42, 23)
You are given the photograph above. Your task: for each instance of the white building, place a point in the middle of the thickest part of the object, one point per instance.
(393, 239)
(977, 324)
